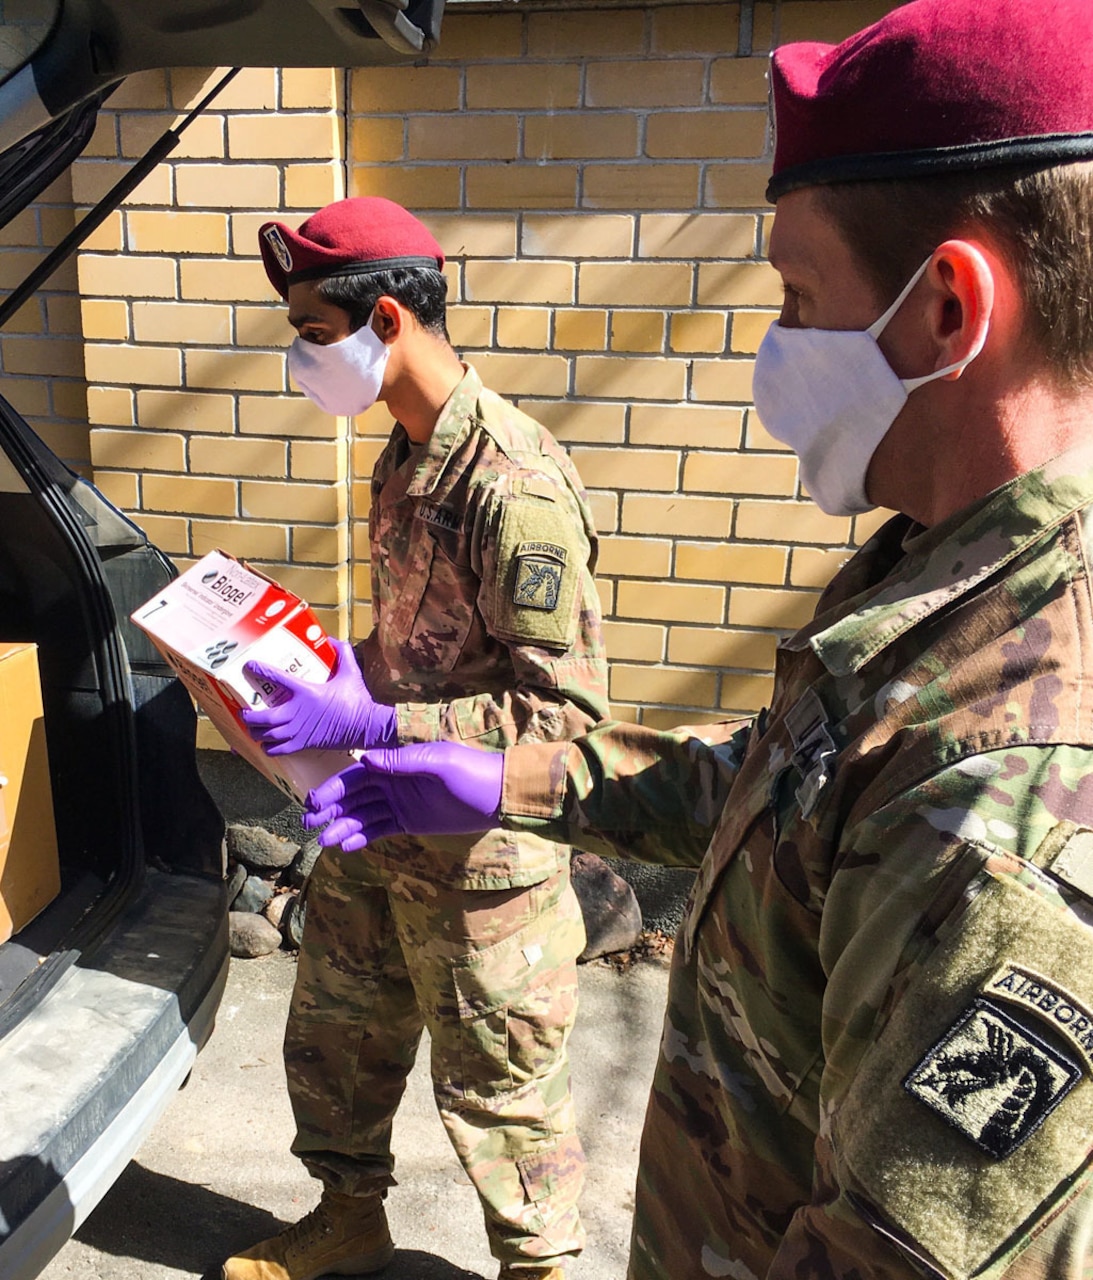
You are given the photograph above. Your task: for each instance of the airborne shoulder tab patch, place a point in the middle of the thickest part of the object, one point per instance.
(539, 570)
(1050, 1002)
(993, 1079)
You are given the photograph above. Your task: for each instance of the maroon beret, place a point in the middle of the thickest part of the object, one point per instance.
(362, 234)
(936, 86)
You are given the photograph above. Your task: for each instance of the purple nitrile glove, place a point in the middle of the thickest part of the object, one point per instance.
(340, 713)
(429, 788)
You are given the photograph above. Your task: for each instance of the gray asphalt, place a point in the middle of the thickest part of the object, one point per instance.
(216, 1174)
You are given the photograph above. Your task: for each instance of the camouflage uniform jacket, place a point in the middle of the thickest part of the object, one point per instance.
(486, 618)
(877, 1059)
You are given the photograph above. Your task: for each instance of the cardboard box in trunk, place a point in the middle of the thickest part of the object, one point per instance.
(222, 613)
(30, 874)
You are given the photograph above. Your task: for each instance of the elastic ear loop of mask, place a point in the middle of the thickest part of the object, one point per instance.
(880, 324)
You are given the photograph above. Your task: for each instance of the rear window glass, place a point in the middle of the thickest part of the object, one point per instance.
(24, 25)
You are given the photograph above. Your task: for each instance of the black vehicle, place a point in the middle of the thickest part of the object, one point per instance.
(107, 995)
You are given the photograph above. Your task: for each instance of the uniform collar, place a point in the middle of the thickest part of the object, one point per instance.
(943, 563)
(451, 428)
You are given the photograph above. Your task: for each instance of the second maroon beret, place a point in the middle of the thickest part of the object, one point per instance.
(936, 86)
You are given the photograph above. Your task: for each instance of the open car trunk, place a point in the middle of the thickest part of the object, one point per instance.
(94, 44)
(107, 995)
(120, 730)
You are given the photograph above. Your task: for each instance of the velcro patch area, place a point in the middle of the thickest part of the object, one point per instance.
(922, 1133)
(540, 562)
(993, 1079)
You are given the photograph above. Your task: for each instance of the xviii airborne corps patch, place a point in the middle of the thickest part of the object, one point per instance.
(993, 1079)
(539, 569)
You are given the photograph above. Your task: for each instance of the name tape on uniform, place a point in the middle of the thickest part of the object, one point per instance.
(442, 517)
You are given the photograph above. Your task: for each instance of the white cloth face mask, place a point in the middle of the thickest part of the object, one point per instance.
(831, 396)
(342, 378)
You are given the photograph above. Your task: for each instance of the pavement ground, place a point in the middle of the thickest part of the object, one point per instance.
(216, 1174)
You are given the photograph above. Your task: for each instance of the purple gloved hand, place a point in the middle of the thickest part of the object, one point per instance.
(340, 713)
(430, 788)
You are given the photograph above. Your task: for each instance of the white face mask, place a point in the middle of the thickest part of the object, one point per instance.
(831, 396)
(342, 377)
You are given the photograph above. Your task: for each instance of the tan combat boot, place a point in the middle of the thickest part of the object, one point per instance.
(341, 1236)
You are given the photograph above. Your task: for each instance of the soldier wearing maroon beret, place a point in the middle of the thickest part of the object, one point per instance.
(486, 629)
(877, 1059)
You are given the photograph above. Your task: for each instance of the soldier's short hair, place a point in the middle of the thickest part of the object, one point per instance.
(1040, 219)
(421, 290)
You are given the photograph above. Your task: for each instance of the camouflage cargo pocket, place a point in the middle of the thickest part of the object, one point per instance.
(553, 1173)
(516, 1002)
(320, 1064)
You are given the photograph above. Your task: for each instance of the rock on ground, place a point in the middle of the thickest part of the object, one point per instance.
(253, 896)
(250, 935)
(303, 864)
(275, 908)
(292, 922)
(612, 917)
(258, 849)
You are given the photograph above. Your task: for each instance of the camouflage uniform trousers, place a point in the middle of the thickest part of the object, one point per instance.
(492, 975)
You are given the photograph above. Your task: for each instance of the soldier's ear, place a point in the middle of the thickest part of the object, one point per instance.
(388, 318)
(961, 287)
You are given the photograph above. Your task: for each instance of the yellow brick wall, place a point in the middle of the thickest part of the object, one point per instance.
(596, 176)
(194, 430)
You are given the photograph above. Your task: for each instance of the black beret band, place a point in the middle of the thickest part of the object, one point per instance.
(371, 267)
(879, 166)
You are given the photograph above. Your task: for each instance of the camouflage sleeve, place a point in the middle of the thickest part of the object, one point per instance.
(538, 599)
(956, 1098)
(625, 790)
